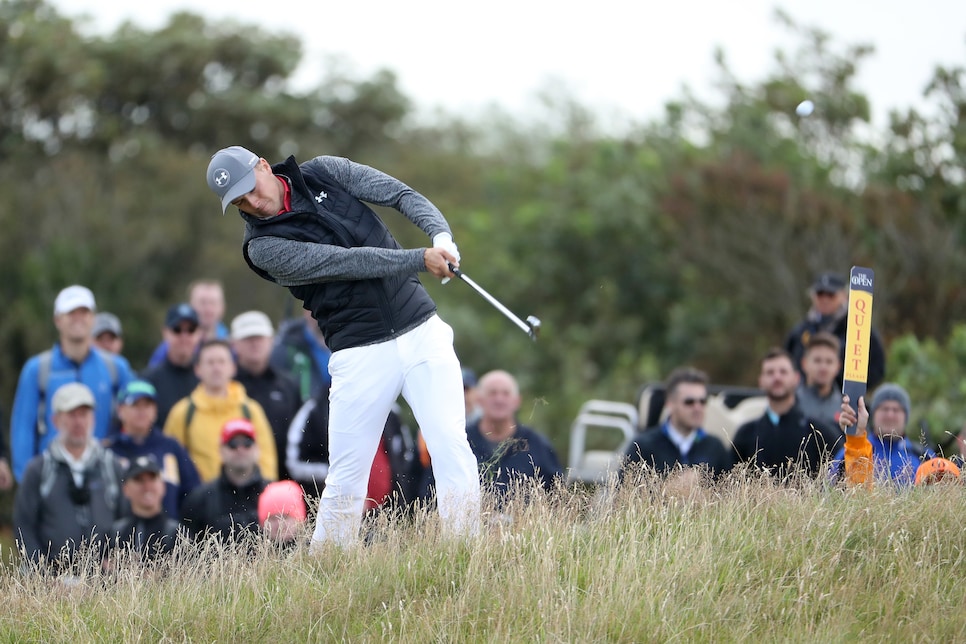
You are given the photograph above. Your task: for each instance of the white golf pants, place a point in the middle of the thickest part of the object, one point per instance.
(366, 381)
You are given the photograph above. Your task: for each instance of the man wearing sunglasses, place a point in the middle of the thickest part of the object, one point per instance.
(830, 304)
(227, 507)
(680, 441)
(174, 378)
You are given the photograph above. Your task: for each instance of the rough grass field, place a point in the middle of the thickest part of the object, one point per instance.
(745, 560)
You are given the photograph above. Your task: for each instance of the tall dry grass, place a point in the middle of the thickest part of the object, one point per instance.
(746, 559)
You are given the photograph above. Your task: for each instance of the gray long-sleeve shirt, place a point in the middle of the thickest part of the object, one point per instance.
(295, 263)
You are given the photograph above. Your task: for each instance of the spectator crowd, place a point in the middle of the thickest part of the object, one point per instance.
(223, 434)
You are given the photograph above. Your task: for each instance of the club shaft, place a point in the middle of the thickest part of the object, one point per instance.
(496, 303)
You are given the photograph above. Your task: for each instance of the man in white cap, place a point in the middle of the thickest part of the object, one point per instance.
(69, 496)
(307, 228)
(72, 359)
(252, 336)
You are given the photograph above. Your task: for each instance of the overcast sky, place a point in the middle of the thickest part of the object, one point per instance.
(616, 56)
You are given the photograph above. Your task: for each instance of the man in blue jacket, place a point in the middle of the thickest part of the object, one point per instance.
(894, 456)
(72, 359)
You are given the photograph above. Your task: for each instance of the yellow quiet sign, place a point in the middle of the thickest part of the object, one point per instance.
(859, 329)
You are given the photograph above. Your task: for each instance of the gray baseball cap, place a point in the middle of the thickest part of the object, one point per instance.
(105, 322)
(231, 173)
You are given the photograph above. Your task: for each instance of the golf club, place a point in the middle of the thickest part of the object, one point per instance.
(531, 327)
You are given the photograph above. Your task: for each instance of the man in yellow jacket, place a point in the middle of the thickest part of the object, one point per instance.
(196, 421)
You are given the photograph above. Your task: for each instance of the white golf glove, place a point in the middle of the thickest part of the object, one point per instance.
(445, 241)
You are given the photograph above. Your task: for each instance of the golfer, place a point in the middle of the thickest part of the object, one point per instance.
(306, 228)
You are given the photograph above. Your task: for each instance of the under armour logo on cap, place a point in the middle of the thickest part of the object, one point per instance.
(231, 173)
(222, 177)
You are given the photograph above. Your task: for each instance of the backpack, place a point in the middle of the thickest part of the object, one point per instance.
(48, 475)
(189, 415)
(44, 361)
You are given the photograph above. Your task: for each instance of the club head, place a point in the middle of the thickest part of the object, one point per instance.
(534, 323)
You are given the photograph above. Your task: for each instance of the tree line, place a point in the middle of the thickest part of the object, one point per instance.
(686, 238)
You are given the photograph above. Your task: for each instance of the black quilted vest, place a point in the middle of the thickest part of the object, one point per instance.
(350, 313)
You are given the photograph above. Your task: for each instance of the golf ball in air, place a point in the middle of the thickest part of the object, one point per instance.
(805, 108)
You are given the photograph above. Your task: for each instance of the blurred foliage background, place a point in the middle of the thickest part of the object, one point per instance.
(689, 238)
